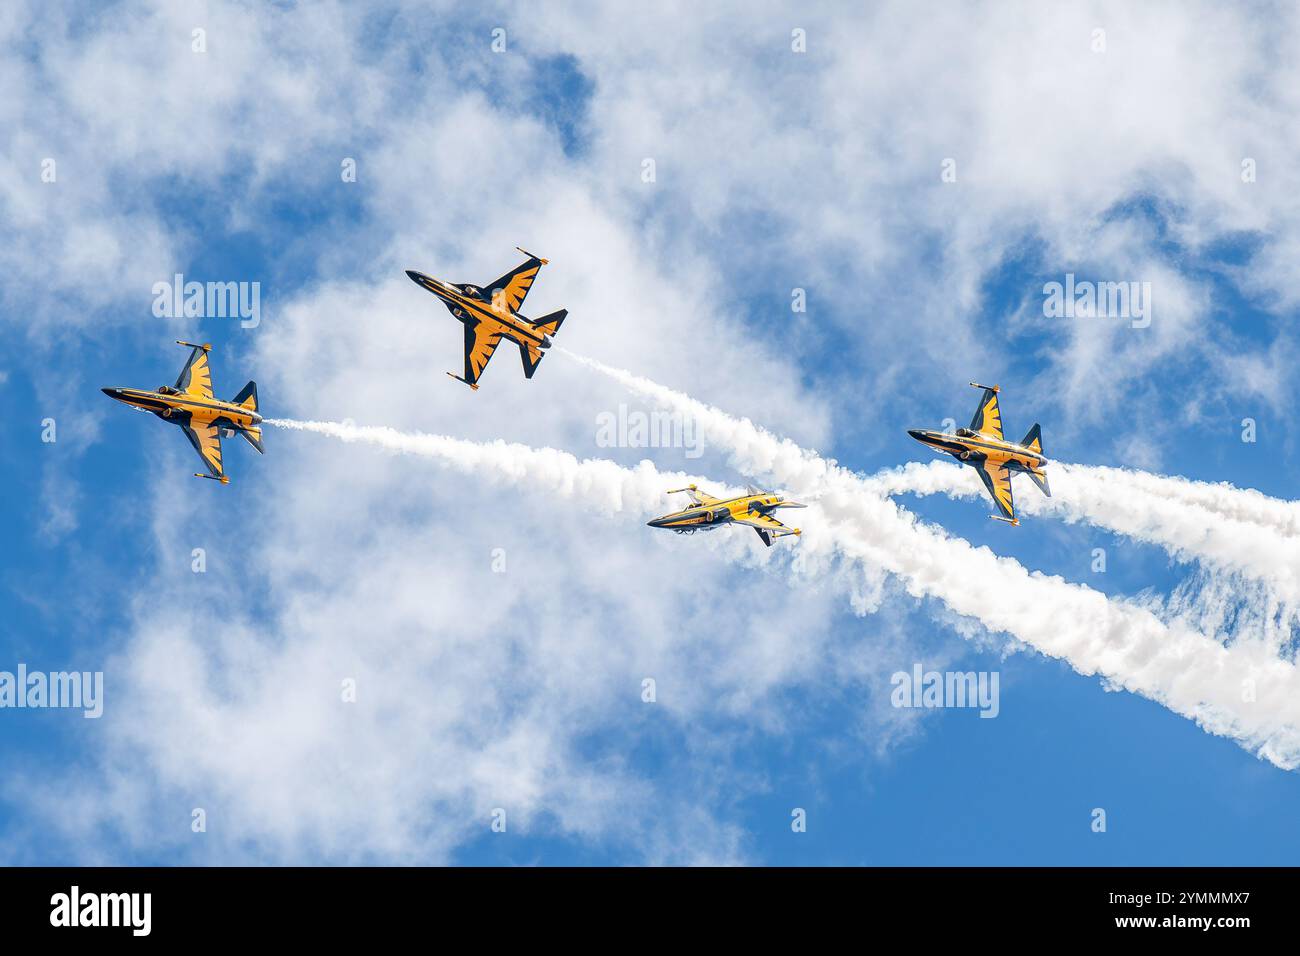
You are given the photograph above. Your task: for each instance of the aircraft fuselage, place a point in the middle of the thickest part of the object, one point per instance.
(185, 409)
(469, 302)
(972, 448)
(714, 515)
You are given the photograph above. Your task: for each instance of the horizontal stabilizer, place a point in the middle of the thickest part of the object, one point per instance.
(550, 324)
(1040, 480)
(532, 357)
(253, 436)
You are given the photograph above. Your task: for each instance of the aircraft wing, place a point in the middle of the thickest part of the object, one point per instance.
(988, 417)
(700, 498)
(768, 527)
(511, 289)
(206, 440)
(196, 377)
(997, 479)
(480, 343)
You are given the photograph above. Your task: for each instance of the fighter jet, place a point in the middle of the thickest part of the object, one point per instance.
(491, 313)
(982, 447)
(204, 419)
(706, 513)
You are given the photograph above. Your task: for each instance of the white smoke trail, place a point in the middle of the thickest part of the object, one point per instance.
(1223, 527)
(1244, 506)
(604, 485)
(1244, 691)
(1222, 499)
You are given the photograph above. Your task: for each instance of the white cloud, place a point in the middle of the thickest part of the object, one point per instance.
(840, 148)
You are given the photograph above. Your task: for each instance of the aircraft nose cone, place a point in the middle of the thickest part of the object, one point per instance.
(112, 392)
(655, 523)
(917, 434)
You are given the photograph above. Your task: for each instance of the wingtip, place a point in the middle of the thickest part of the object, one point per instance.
(531, 255)
(472, 385)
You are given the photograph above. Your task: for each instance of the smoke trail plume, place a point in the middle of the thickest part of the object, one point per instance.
(1216, 500)
(601, 484)
(1223, 527)
(1244, 691)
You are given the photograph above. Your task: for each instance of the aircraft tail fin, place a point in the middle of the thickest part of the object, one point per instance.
(1040, 480)
(1034, 439)
(550, 324)
(247, 397)
(767, 538)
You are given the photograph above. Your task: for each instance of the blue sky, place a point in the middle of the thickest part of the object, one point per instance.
(521, 690)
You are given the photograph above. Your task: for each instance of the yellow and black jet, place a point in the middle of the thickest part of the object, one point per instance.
(983, 448)
(490, 313)
(706, 513)
(190, 404)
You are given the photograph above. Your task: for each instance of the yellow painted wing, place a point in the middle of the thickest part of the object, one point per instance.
(480, 343)
(206, 440)
(508, 292)
(700, 498)
(997, 479)
(988, 417)
(196, 377)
